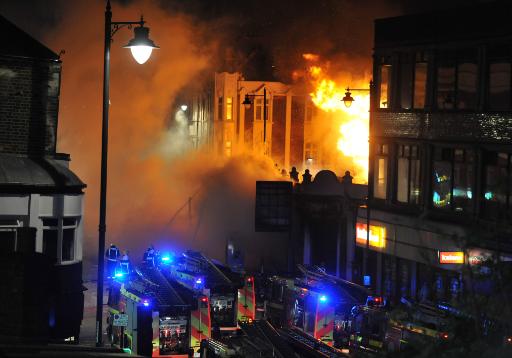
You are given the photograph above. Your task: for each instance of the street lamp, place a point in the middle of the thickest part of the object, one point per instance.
(348, 99)
(141, 47)
(247, 104)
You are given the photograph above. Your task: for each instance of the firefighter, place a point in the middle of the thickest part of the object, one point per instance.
(294, 175)
(306, 177)
(112, 255)
(125, 263)
(149, 256)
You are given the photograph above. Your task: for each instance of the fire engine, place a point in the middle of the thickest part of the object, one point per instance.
(375, 328)
(168, 308)
(316, 304)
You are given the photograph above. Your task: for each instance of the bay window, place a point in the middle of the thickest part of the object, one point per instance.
(380, 171)
(457, 75)
(500, 79)
(497, 193)
(408, 174)
(453, 174)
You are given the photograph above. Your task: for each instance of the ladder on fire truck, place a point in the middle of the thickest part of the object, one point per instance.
(351, 290)
(201, 263)
(160, 286)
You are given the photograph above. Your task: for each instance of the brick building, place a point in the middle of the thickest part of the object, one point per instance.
(41, 199)
(440, 179)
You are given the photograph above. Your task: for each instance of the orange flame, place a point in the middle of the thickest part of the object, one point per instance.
(353, 140)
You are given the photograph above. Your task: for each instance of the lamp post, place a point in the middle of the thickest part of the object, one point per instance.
(141, 47)
(247, 104)
(348, 100)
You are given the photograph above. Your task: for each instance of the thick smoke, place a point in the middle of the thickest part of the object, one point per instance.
(152, 170)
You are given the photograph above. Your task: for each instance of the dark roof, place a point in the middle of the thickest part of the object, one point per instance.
(21, 174)
(487, 20)
(16, 42)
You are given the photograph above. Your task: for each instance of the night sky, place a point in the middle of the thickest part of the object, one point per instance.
(266, 36)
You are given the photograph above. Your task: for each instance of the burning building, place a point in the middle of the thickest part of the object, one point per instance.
(284, 135)
(440, 155)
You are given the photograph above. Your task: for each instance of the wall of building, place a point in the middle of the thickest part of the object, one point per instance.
(29, 93)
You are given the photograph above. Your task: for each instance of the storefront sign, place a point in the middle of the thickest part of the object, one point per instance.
(451, 257)
(478, 256)
(377, 235)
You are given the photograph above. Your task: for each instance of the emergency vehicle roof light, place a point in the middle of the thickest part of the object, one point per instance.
(167, 258)
(145, 302)
(204, 299)
(199, 281)
(322, 298)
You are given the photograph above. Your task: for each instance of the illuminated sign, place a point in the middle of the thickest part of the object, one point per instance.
(377, 235)
(451, 257)
(479, 256)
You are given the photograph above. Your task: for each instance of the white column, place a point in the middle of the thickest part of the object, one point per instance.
(35, 221)
(288, 131)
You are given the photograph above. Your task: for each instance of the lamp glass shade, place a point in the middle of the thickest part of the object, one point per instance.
(141, 53)
(348, 99)
(141, 45)
(247, 102)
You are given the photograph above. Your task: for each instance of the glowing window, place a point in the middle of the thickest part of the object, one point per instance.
(380, 172)
(229, 108)
(385, 86)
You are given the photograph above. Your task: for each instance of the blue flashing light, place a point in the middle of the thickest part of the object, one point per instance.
(119, 274)
(145, 303)
(199, 281)
(323, 298)
(167, 259)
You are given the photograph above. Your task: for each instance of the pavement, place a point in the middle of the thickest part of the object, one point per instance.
(88, 328)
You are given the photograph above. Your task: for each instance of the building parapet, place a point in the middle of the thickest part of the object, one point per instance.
(474, 127)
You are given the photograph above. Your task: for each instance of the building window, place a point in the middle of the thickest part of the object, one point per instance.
(228, 148)
(220, 108)
(380, 171)
(68, 239)
(385, 85)
(310, 111)
(55, 243)
(497, 193)
(453, 179)
(310, 152)
(406, 80)
(457, 80)
(500, 78)
(50, 242)
(413, 81)
(229, 108)
(420, 81)
(7, 239)
(259, 109)
(408, 175)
